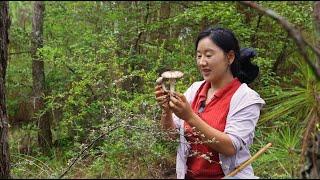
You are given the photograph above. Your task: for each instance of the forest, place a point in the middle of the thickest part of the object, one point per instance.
(77, 84)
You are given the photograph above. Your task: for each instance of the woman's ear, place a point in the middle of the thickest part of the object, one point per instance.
(230, 57)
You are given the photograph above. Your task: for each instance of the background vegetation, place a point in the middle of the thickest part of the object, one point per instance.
(101, 61)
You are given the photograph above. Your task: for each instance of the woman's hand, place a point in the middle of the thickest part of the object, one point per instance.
(162, 98)
(180, 106)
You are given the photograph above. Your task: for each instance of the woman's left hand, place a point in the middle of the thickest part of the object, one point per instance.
(180, 106)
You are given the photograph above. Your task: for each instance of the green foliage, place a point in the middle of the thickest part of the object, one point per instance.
(282, 159)
(102, 60)
(298, 101)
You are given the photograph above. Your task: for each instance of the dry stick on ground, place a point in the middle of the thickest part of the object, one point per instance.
(86, 149)
(293, 32)
(247, 162)
(94, 141)
(89, 147)
(22, 52)
(103, 136)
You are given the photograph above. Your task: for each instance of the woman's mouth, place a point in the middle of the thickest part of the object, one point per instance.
(205, 71)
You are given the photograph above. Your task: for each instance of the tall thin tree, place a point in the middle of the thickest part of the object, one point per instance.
(316, 14)
(164, 13)
(311, 142)
(4, 40)
(38, 76)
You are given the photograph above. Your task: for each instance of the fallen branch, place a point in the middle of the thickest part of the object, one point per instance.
(247, 162)
(293, 32)
(86, 149)
(103, 136)
(23, 52)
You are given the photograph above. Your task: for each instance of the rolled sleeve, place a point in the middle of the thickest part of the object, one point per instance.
(176, 121)
(240, 126)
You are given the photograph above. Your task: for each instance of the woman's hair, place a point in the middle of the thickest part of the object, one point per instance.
(241, 67)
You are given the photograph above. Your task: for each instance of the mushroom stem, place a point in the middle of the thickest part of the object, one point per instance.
(172, 84)
(160, 82)
(164, 87)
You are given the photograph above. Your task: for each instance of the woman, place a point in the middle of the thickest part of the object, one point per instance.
(221, 108)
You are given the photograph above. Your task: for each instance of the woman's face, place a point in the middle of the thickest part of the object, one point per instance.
(212, 61)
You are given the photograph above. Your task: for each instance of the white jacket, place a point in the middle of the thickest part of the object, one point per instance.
(241, 120)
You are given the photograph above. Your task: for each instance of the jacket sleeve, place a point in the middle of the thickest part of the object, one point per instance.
(241, 125)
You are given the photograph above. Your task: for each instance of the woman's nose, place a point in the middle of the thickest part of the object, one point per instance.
(202, 61)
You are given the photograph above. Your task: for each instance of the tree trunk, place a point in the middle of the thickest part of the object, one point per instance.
(254, 36)
(44, 133)
(316, 13)
(311, 139)
(4, 40)
(163, 15)
(281, 58)
(204, 24)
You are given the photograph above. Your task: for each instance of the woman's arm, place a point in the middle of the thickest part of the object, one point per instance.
(183, 110)
(222, 142)
(166, 115)
(167, 120)
(168, 124)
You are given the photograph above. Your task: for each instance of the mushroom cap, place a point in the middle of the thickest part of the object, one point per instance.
(172, 74)
(159, 80)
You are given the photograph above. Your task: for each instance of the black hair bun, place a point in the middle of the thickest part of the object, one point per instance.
(246, 54)
(248, 71)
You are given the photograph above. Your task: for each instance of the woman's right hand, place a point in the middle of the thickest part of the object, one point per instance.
(162, 98)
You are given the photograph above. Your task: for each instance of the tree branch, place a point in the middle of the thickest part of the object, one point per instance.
(254, 37)
(23, 52)
(293, 32)
(86, 149)
(281, 57)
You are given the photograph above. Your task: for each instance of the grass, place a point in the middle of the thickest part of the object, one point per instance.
(282, 159)
(112, 159)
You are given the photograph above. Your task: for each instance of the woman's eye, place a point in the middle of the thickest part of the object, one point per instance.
(199, 56)
(208, 56)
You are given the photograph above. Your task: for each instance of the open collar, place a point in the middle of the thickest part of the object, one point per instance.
(220, 92)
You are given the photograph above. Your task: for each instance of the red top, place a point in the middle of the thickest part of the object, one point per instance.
(215, 114)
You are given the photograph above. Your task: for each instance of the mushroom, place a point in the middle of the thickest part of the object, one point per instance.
(172, 76)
